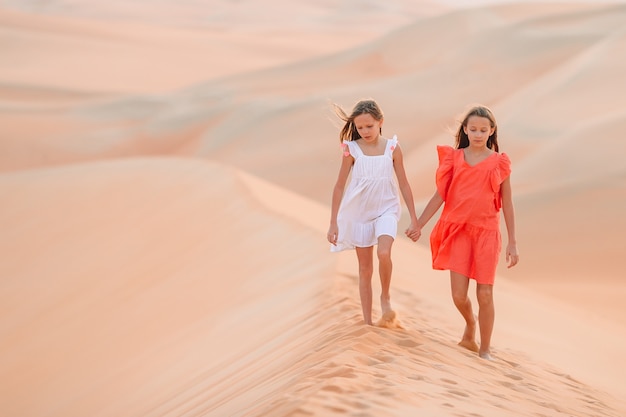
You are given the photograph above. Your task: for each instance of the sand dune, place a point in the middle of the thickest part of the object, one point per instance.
(167, 175)
(242, 16)
(96, 316)
(122, 58)
(131, 48)
(188, 329)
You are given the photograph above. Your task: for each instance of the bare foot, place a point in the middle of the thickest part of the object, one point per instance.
(469, 345)
(389, 320)
(385, 305)
(485, 355)
(469, 337)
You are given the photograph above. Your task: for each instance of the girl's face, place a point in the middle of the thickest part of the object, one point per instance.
(478, 130)
(368, 127)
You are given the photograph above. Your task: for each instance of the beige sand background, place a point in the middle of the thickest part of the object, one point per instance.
(166, 169)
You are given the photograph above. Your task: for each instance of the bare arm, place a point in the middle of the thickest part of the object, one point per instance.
(429, 211)
(340, 185)
(512, 256)
(405, 189)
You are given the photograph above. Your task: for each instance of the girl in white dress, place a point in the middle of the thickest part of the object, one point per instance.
(366, 213)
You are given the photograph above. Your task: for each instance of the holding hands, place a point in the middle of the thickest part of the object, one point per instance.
(413, 232)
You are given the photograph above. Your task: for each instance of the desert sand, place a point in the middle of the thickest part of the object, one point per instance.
(166, 172)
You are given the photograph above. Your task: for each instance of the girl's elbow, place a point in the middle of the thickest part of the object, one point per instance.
(508, 209)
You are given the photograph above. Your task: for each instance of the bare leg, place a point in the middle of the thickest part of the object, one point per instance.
(486, 318)
(385, 268)
(366, 270)
(459, 285)
(389, 318)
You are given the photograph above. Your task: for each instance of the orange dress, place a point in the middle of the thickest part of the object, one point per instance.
(466, 238)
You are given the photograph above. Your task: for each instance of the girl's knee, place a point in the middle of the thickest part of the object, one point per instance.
(366, 271)
(459, 298)
(383, 249)
(384, 254)
(484, 294)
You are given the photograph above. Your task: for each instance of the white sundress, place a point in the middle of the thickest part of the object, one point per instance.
(370, 206)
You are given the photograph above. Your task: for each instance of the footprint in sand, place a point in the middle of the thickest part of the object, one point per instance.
(513, 364)
(342, 372)
(384, 358)
(458, 393)
(449, 381)
(408, 343)
(332, 388)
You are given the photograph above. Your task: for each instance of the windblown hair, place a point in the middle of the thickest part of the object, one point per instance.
(349, 132)
(462, 141)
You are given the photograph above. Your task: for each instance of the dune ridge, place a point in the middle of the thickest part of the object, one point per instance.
(298, 349)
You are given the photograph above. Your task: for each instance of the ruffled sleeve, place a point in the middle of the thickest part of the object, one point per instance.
(345, 148)
(394, 142)
(500, 173)
(445, 169)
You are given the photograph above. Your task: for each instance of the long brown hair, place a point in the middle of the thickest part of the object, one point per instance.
(349, 132)
(462, 141)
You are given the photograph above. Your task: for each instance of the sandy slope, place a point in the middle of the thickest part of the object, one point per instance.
(145, 275)
(213, 320)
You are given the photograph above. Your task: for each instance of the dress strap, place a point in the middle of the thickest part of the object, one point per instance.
(349, 147)
(391, 145)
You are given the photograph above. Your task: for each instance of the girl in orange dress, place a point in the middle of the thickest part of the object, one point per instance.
(473, 184)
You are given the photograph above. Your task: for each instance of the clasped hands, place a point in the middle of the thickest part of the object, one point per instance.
(413, 232)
